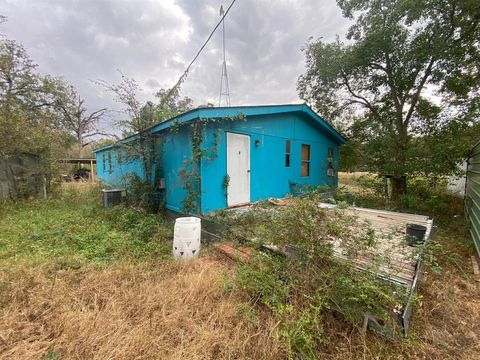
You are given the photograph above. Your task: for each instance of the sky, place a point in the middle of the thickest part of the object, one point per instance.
(152, 41)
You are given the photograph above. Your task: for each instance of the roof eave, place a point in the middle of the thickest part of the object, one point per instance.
(218, 112)
(331, 130)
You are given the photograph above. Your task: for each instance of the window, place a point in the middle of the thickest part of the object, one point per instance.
(305, 160)
(331, 169)
(119, 155)
(330, 158)
(103, 162)
(287, 153)
(109, 162)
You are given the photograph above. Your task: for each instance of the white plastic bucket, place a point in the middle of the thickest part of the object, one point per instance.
(186, 238)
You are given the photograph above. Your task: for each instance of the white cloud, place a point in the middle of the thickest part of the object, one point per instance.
(153, 40)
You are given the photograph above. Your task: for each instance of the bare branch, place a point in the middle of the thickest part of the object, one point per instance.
(363, 101)
(420, 86)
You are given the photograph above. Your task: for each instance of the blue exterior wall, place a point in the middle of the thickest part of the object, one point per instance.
(174, 149)
(113, 172)
(177, 150)
(269, 177)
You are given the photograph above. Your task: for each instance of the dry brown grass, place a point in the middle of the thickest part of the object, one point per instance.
(445, 326)
(152, 310)
(168, 311)
(181, 311)
(349, 182)
(448, 317)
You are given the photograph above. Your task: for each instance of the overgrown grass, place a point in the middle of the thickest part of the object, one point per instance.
(447, 308)
(81, 281)
(128, 311)
(424, 197)
(72, 229)
(305, 296)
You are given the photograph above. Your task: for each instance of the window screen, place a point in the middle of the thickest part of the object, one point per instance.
(305, 160)
(109, 162)
(287, 153)
(330, 158)
(119, 155)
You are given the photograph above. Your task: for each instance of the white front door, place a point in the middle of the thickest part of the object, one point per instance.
(238, 169)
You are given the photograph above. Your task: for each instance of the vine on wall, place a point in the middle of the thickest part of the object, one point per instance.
(144, 192)
(225, 184)
(190, 171)
(148, 149)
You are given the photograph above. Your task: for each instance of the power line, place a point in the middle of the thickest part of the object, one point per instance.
(185, 73)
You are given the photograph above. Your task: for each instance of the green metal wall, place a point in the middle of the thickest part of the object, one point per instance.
(472, 195)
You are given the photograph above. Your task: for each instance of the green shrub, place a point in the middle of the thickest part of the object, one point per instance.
(148, 197)
(375, 184)
(301, 292)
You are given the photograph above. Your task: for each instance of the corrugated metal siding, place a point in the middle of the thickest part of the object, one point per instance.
(472, 195)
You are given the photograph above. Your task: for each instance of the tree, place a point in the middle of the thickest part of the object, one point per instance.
(77, 121)
(20, 86)
(348, 158)
(28, 115)
(410, 74)
(141, 116)
(29, 120)
(171, 104)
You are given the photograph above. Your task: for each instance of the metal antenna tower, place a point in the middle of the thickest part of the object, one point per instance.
(224, 88)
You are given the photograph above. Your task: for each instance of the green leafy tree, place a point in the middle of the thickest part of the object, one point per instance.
(140, 117)
(29, 120)
(27, 99)
(410, 73)
(348, 157)
(171, 104)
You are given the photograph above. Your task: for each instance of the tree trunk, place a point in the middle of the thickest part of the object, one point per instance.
(398, 181)
(399, 186)
(80, 147)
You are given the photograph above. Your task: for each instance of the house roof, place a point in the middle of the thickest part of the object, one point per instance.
(221, 112)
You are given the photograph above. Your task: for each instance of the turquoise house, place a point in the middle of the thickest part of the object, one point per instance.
(214, 158)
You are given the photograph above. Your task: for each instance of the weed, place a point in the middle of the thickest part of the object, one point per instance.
(126, 311)
(143, 195)
(247, 313)
(302, 293)
(72, 228)
(52, 355)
